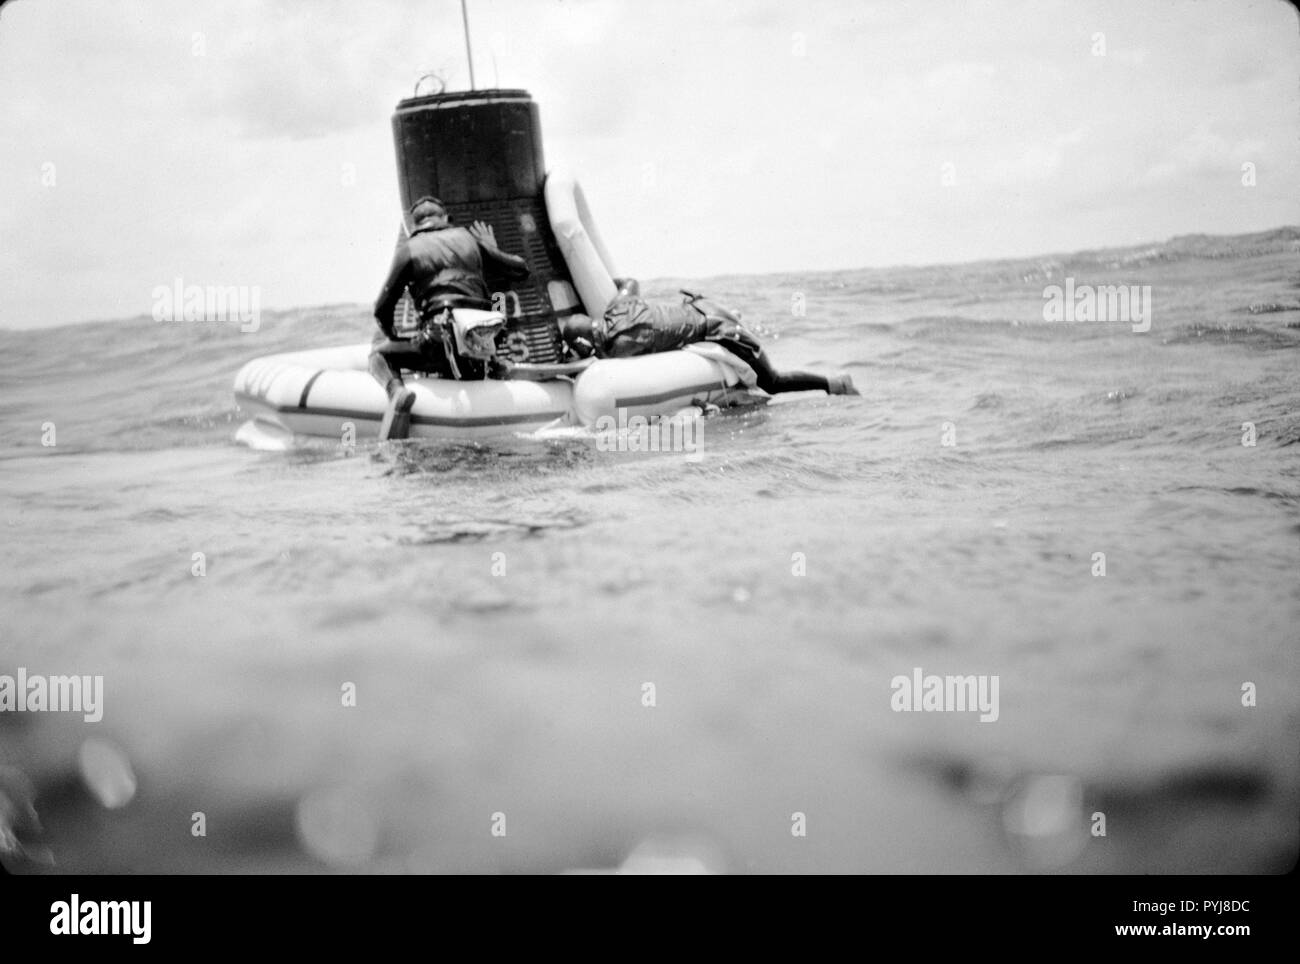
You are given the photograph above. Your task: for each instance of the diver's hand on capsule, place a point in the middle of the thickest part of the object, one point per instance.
(483, 233)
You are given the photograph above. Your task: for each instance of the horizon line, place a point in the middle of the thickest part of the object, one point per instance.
(807, 271)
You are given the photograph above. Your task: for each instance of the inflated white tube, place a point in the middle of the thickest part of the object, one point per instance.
(320, 391)
(650, 384)
(717, 353)
(590, 264)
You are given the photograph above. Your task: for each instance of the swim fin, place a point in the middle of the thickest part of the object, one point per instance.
(841, 385)
(397, 417)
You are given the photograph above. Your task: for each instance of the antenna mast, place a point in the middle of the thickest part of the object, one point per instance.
(469, 54)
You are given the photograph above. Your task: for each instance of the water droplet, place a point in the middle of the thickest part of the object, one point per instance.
(681, 856)
(106, 770)
(335, 826)
(1044, 821)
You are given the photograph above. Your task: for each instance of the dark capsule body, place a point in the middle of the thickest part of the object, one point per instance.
(480, 152)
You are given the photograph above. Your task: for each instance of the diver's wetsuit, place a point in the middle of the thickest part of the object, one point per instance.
(772, 381)
(632, 326)
(402, 354)
(435, 261)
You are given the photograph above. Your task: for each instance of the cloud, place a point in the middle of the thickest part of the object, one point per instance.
(224, 164)
(1204, 151)
(302, 70)
(958, 75)
(1038, 160)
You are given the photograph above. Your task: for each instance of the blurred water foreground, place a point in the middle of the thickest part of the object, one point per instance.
(545, 656)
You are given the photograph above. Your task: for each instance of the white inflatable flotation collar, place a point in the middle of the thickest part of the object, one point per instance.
(320, 392)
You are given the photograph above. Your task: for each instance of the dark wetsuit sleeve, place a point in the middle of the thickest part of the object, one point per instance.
(513, 266)
(398, 277)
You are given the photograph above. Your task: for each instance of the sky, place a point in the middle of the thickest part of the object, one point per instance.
(248, 143)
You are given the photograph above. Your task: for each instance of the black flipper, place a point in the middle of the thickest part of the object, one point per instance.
(397, 416)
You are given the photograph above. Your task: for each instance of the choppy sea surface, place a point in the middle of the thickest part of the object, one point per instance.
(565, 658)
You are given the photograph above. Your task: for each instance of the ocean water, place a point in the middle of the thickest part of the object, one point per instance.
(499, 610)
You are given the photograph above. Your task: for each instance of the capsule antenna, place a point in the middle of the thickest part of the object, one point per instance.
(469, 54)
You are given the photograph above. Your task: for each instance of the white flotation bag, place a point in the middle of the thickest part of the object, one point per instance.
(589, 262)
